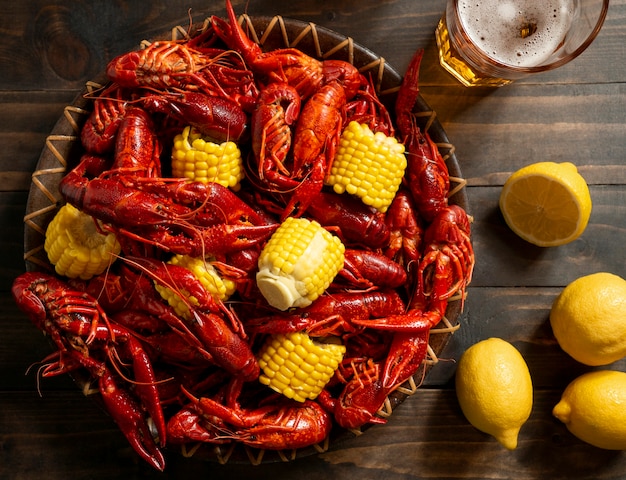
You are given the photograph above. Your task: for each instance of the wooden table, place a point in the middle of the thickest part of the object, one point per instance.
(576, 113)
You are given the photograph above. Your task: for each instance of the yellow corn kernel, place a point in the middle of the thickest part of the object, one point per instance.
(220, 288)
(201, 160)
(285, 361)
(368, 165)
(298, 263)
(76, 246)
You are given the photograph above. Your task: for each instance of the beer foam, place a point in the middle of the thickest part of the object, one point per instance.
(517, 32)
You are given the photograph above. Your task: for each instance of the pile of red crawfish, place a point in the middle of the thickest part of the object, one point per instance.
(168, 381)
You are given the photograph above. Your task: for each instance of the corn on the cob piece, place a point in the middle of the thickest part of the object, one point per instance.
(220, 288)
(75, 245)
(199, 159)
(298, 263)
(368, 165)
(297, 366)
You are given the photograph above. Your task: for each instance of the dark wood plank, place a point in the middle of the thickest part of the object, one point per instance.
(503, 259)
(26, 119)
(519, 315)
(427, 437)
(12, 210)
(55, 30)
(561, 123)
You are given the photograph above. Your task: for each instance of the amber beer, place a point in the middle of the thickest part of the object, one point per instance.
(493, 42)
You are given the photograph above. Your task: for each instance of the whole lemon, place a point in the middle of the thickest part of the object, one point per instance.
(588, 319)
(593, 407)
(546, 203)
(494, 389)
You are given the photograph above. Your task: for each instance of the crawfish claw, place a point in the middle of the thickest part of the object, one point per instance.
(413, 321)
(129, 417)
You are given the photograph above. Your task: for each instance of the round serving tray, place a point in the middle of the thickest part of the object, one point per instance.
(63, 149)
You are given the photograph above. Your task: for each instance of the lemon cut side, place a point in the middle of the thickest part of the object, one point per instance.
(547, 204)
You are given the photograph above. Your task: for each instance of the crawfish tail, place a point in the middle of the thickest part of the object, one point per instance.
(73, 185)
(99, 131)
(137, 148)
(369, 268)
(406, 353)
(358, 223)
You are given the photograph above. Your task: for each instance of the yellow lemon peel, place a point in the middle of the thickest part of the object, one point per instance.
(592, 409)
(588, 319)
(494, 389)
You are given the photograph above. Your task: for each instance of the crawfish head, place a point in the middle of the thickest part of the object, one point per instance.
(28, 290)
(360, 399)
(288, 65)
(451, 226)
(345, 73)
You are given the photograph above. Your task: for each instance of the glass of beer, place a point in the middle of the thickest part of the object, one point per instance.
(494, 42)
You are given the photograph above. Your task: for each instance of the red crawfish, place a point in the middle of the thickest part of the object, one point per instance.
(445, 269)
(277, 110)
(427, 173)
(288, 65)
(368, 269)
(331, 314)
(316, 136)
(85, 337)
(100, 130)
(219, 118)
(448, 255)
(406, 230)
(153, 212)
(357, 224)
(278, 425)
(182, 65)
(217, 327)
(360, 398)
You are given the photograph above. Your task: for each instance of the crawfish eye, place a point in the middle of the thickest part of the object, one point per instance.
(40, 288)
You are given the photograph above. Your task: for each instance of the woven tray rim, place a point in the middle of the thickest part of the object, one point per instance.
(62, 148)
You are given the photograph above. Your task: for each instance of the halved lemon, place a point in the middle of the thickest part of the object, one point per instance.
(546, 203)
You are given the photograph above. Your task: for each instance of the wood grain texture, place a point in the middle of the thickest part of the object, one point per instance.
(577, 113)
(61, 436)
